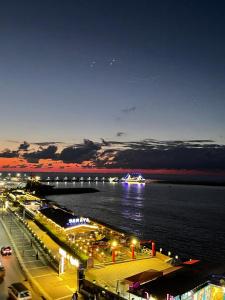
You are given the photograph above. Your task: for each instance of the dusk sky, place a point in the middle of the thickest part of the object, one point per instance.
(143, 72)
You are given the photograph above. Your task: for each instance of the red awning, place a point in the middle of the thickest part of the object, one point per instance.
(191, 262)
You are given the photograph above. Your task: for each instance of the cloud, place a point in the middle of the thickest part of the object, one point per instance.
(105, 143)
(24, 146)
(120, 133)
(6, 166)
(43, 144)
(38, 166)
(128, 110)
(9, 154)
(22, 166)
(152, 154)
(200, 141)
(48, 153)
(198, 154)
(81, 152)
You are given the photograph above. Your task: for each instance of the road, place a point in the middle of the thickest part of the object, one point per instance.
(13, 270)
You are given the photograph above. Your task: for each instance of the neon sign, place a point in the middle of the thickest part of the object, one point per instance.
(80, 220)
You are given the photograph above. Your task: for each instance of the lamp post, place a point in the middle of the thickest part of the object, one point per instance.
(153, 248)
(133, 243)
(114, 244)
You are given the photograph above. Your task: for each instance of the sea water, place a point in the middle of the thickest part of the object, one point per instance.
(187, 220)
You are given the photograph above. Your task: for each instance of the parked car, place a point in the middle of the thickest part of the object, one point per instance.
(2, 271)
(6, 251)
(19, 291)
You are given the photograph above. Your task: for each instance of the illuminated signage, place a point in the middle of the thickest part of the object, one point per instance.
(64, 255)
(62, 252)
(80, 220)
(74, 261)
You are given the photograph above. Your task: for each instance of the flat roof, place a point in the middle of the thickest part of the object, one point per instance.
(111, 273)
(187, 278)
(63, 217)
(144, 277)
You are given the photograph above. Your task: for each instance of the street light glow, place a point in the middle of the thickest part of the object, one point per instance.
(114, 243)
(134, 242)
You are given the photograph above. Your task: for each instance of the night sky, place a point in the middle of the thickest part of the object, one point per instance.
(97, 78)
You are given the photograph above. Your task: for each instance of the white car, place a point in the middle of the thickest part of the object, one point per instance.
(2, 271)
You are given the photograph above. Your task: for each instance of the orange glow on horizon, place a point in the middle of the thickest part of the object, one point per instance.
(48, 165)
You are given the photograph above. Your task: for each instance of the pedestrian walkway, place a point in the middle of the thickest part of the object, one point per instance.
(34, 262)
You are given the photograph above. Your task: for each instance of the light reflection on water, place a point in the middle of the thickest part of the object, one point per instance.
(132, 203)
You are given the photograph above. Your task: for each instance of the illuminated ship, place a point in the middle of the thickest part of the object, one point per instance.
(113, 179)
(135, 178)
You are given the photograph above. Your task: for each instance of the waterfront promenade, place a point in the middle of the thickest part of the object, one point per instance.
(40, 258)
(49, 283)
(43, 278)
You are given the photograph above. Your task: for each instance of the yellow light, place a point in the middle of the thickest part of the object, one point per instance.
(114, 243)
(134, 242)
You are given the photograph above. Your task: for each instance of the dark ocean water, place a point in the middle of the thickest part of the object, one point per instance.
(188, 220)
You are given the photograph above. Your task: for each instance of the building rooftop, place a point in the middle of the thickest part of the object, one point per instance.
(187, 278)
(63, 217)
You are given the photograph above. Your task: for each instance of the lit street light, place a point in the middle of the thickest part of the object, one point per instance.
(133, 243)
(114, 244)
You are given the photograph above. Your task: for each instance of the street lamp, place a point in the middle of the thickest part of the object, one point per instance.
(133, 243)
(114, 244)
(153, 249)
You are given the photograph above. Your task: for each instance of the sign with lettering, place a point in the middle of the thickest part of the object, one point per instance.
(76, 221)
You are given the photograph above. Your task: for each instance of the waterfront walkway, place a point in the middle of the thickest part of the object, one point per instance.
(113, 276)
(42, 276)
(39, 257)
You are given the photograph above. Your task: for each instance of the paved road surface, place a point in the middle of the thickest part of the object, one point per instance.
(13, 270)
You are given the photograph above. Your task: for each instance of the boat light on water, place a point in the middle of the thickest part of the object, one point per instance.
(113, 179)
(136, 178)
